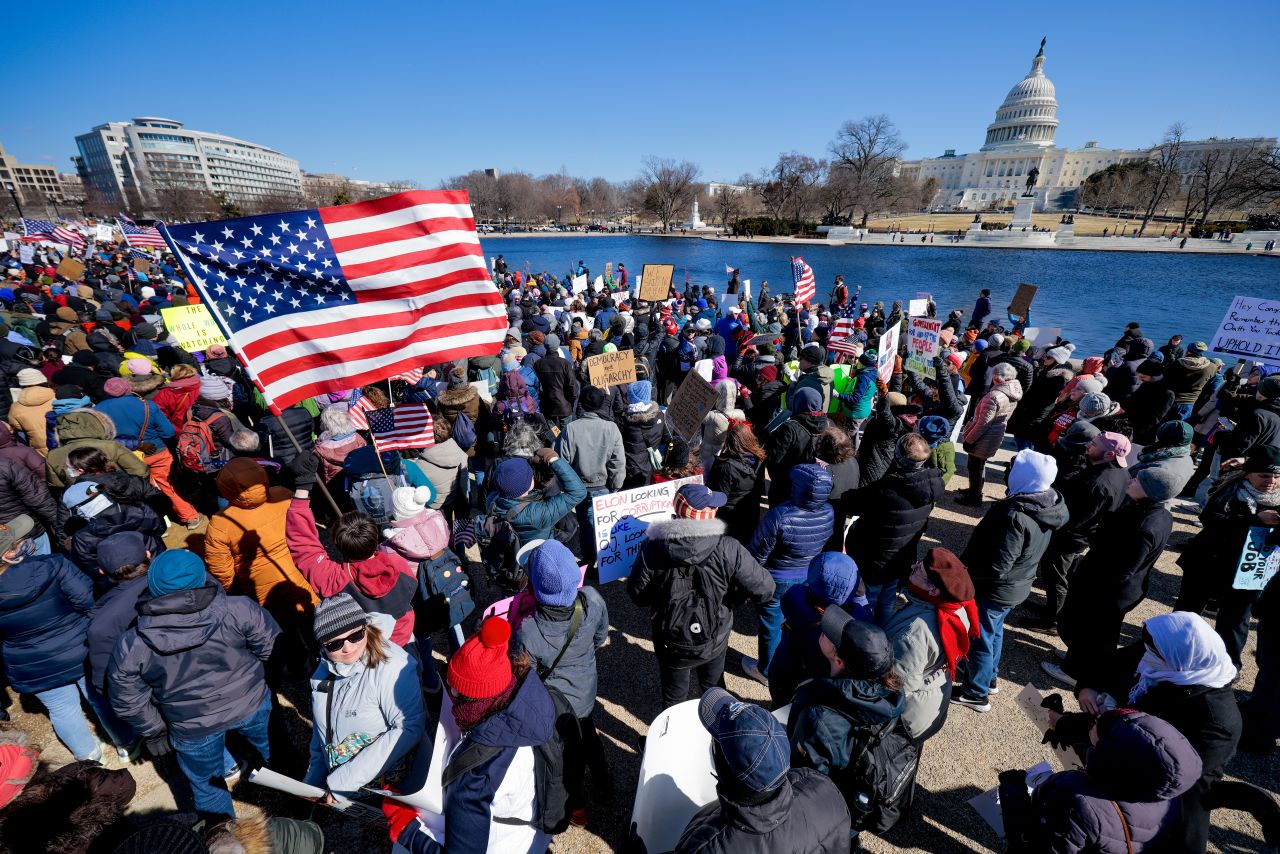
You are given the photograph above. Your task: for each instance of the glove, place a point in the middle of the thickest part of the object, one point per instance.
(546, 456)
(1070, 730)
(1053, 703)
(303, 467)
(399, 816)
(158, 745)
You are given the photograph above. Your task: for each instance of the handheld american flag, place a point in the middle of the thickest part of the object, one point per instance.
(325, 300)
(141, 236)
(802, 274)
(399, 428)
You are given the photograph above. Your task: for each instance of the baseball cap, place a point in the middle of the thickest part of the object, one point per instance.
(752, 741)
(1117, 444)
(16, 529)
(863, 647)
(699, 497)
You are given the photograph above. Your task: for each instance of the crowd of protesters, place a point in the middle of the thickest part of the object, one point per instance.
(805, 494)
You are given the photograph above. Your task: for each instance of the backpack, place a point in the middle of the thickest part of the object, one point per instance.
(443, 590)
(197, 449)
(371, 495)
(686, 626)
(878, 782)
(551, 795)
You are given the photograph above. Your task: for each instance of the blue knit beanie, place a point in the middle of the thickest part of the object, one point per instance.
(513, 477)
(174, 570)
(640, 393)
(554, 574)
(832, 577)
(934, 428)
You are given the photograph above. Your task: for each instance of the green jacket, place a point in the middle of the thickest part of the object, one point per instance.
(943, 457)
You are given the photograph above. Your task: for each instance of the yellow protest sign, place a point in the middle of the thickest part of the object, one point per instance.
(192, 327)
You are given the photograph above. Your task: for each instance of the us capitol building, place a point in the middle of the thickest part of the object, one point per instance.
(1022, 139)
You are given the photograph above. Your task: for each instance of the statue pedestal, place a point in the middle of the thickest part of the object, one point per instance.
(1022, 213)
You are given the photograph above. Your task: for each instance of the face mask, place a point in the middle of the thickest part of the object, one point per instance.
(93, 506)
(72, 473)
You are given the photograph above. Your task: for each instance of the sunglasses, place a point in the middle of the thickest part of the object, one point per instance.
(338, 643)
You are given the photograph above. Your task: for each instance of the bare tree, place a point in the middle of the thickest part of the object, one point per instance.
(558, 197)
(183, 202)
(1261, 180)
(789, 188)
(1219, 175)
(869, 149)
(670, 188)
(1164, 172)
(728, 205)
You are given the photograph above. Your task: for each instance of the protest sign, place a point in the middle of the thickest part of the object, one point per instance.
(746, 288)
(192, 327)
(917, 307)
(922, 346)
(1250, 329)
(621, 518)
(608, 270)
(1021, 303)
(4, 245)
(690, 405)
(70, 269)
(886, 353)
(26, 253)
(142, 265)
(1258, 561)
(609, 369)
(579, 284)
(1031, 703)
(103, 233)
(598, 283)
(1045, 336)
(656, 282)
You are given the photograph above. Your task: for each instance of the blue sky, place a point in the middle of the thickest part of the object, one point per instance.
(424, 90)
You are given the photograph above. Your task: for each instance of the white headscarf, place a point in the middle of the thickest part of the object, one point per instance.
(1191, 653)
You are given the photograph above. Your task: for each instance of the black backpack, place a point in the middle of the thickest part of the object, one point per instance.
(548, 770)
(878, 783)
(686, 625)
(498, 548)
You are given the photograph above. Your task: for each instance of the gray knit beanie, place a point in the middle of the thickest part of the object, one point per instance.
(338, 615)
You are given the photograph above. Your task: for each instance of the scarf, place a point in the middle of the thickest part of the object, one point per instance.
(470, 713)
(1255, 498)
(64, 405)
(1190, 653)
(952, 634)
(1154, 454)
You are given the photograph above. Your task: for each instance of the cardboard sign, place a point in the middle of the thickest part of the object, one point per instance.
(1258, 561)
(655, 282)
(1251, 329)
(888, 350)
(1022, 298)
(609, 369)
(192, 327)
(70, 269)
(621, 518)
(690, 405)
(142, 265)
(917, 307)
(922, 346)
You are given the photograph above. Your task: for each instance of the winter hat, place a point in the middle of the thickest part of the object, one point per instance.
(752, 745)
(639, 396)
(554, 574)
(1022, 345)
(813, 354)
(593, 398)
(949, 574)
(536, 338)
(139, 366)
(552, 342)
(995, 340)
(1161, 483)
(457, 379)
(147, 291)
(170, 837)
(610, 347)
(1269, 387)
(1197, 348)
(174, 570)
(832, 578)
(896, 398)
(125, 548)
(1031, 472)
(869, 358)
(102, 315)
(1264, 459)
(336, 616)
(956, 359)
(1151, 368)
(1058, 354)
(1089, 386)
(30, 376)
(144, 331)
(513, 477)
(514, 334)
(68, 392)
(409, 501)
(979, 345)
(510, 363)
(806, 400)
(1094, 404)
(215, 388)
(715, 346)
(86, 499)
(482, 668)
(934, 428)
(1174, 433)
(116, 387)
(863, 647)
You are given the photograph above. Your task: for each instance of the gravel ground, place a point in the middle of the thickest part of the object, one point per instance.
(957, 764)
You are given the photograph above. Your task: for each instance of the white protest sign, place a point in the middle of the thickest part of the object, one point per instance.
(4, 246)
(599, 283)
(917, 307)
(1250, 329)
(922, 346)
(579, 284)
(746, 288)
(103, 233)
(621, 518)
(888, 350)
(1258, 561)
(27, 253)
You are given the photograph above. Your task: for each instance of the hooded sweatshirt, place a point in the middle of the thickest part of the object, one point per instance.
(28, 412)
(245, 546)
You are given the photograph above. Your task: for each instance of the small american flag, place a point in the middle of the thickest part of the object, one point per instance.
(399, 428)
(802, 274)
(339, 297)
(841, 335)
(42, 229)
(411, 376)
(136, 235)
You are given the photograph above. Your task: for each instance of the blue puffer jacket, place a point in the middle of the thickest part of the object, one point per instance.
(44, 602)
(796, 530)
(799, 657)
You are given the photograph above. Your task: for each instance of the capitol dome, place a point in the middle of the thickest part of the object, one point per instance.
(1028, 116)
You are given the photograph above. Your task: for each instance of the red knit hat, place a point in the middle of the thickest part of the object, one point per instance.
(481, 667)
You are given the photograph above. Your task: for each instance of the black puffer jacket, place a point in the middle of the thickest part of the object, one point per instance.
(1006, 546)
(640, 432)
(1091, 494)
(806, 815)
(742, 482)
(22, 492)
(1026, 372)
(1147, 408)
(114, 520)
(277, 441)
(893, 513)
(726, 570)
(558, 388)
(792, 444)
(1260, 427)
(875, 453)
(1028, 420)
(13, 358)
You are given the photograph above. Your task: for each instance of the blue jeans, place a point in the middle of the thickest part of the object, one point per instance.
(771, 621)
(118, 731)
(67, 717)
(880, 600)
(204, 758)
(984, 652)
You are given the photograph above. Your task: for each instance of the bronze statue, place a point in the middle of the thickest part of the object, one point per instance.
(1031, 180)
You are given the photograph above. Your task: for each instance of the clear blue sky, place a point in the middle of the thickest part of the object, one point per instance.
(422, 90)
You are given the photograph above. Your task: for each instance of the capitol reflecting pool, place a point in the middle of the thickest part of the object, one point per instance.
(1091, 295)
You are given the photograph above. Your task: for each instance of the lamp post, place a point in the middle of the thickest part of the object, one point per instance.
(8, 185)
(558, 209)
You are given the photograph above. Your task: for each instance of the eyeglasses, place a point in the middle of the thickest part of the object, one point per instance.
(337, 644)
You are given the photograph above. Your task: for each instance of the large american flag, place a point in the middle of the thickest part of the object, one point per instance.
(42, 229)
(138, 235)
(399, 428)
(335, 298)
(802, 274)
